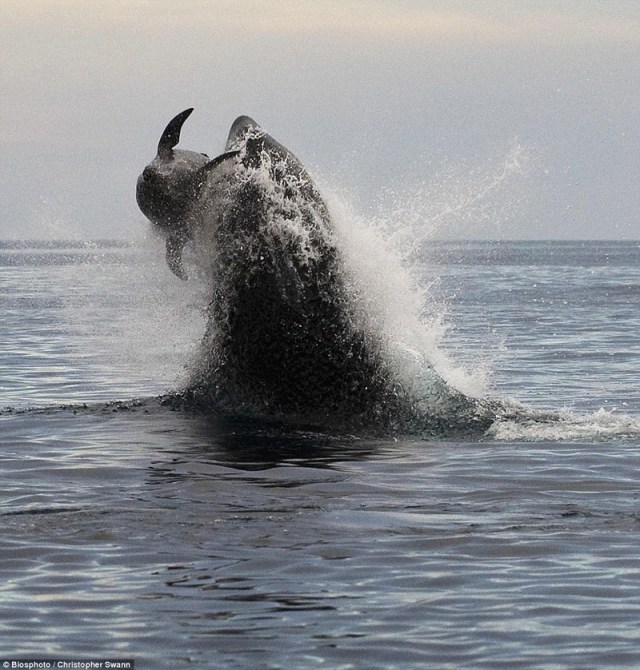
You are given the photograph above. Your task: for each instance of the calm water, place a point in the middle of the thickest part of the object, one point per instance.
(183, 541)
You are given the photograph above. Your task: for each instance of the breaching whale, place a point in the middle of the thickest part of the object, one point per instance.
(288, 332)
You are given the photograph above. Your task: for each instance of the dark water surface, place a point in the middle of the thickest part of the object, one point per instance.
(133, 530)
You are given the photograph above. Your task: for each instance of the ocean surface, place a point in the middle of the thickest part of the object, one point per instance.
(130, 530)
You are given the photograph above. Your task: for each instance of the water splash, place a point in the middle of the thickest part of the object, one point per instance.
(410, 316)
(386, 255)
(527, 425)
(149, 323)
(458, 202)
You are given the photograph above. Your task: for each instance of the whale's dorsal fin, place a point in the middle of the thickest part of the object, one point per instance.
(171, 135)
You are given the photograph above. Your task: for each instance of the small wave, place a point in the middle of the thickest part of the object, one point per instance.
(528, 425)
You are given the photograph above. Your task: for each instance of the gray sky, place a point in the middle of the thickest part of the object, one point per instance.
(485, 118)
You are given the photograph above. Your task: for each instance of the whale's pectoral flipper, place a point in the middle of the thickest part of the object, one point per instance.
(171, 135)
(174, 246)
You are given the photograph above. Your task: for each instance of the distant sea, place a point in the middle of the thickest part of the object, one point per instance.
(134, 531)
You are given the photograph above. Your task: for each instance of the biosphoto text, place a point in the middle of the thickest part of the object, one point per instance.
(59, 664)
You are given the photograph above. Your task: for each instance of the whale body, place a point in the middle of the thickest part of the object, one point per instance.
(288, 333)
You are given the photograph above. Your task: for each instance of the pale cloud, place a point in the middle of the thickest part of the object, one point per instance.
(386, 89)
(489, 24)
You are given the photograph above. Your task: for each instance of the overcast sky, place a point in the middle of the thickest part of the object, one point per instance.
(485, 118)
